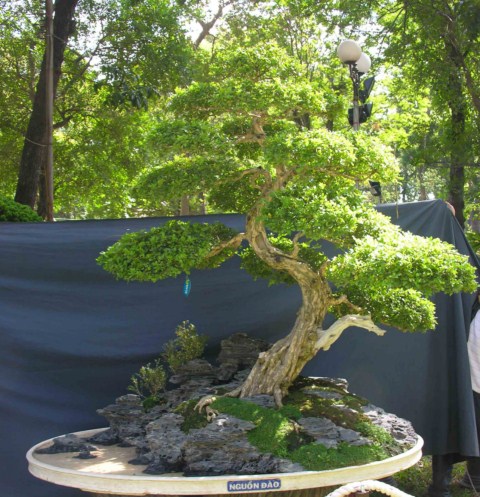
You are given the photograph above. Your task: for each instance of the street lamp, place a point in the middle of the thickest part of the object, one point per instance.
(350, 53)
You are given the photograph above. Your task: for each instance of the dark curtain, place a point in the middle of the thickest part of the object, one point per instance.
(71, 336)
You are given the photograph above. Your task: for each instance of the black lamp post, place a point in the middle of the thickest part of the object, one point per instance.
(350, 53)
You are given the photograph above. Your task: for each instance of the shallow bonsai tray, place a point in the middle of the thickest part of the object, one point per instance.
(110, 473)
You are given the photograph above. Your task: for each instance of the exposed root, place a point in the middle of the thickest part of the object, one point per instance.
(234, 393)
(204, 402)
(277, 396)
(211, 413)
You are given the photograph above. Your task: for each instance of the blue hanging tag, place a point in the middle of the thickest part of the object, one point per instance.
(187, 286)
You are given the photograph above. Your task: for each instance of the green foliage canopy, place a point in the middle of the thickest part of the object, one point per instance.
(235, 137)
(392, 276)
(176, 247)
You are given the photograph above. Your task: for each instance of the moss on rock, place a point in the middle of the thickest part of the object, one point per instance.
(192, 418)
(278, 433)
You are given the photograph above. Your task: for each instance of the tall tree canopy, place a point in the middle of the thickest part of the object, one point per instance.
(125, 50)
(432, 48)
(124, 58)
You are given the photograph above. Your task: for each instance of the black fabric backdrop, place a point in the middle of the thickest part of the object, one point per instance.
(71, 336)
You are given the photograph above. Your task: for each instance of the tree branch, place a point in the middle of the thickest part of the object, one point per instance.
(343, 299)
(207, 26)
(329, 336)
(86, 65)
(233, 243)
(254, 172)
(256, 135)
(296, 245)
(61, 124)
(323, 268)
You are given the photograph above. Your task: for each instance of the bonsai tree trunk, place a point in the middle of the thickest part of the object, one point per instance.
(276, 369)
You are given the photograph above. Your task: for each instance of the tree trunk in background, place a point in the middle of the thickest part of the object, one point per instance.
(185, 205)
(47, 211)
(458, 154)
(474, 220)
(421, 179)
(34, 154)
(456, 186)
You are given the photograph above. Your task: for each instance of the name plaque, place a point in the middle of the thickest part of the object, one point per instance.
(253, 485)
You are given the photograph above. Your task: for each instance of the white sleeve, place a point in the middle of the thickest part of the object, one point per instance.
(474, 352)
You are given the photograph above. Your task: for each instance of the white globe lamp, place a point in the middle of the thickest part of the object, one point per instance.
(363, 63)
(349, 51)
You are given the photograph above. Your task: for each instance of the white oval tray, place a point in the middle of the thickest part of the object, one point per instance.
(110, 473)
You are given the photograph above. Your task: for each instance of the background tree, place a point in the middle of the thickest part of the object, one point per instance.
(34, 153)
(434, 45)
(124, 51)
(404, 120)
(126, 57)
(236, 136)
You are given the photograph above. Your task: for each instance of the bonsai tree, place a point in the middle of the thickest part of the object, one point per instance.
(251, 138)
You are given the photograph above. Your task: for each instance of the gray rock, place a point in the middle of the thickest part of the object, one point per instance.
(165, 441)
(352, 437)
(324, 394)
(125, 416)
(228, 424)
(218, 447)
(327, 433)
(400, 429)
(236, 381)
(85, 454)
(107, 437)
(197, 368)
(322, 430)
(192, 389)
(226, 371)
(319, 428)
(238, 352)
(347, 410)
(223, 448)
(329, 443)
(287, 466)
(67, 443)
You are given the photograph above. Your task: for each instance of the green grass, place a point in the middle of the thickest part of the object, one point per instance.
(275, 433)
(415, 480)
(311, 406)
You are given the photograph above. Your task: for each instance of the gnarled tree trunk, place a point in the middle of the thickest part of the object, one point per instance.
(458, 154)
(277, 368)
